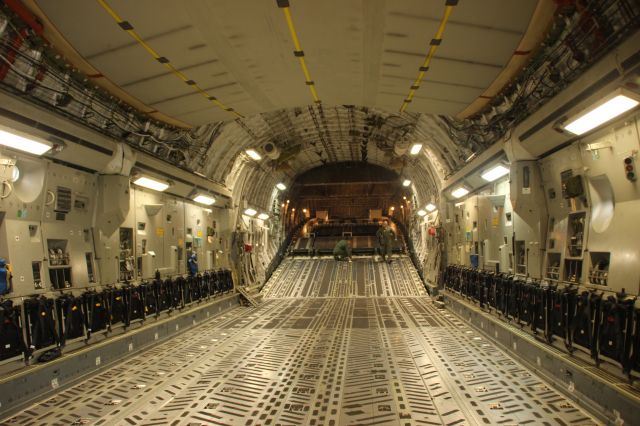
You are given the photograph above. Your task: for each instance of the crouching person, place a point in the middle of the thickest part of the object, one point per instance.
(342, 250)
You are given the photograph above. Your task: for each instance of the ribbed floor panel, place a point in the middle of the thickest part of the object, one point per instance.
(332, 344)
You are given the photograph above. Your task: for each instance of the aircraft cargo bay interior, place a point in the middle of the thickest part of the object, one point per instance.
(357, 212)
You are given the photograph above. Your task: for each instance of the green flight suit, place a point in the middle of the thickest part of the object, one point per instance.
(385, 238)
(342, 250)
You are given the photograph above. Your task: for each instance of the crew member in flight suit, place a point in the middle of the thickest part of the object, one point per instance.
(342, 250)
(385, 237)
(192, 262)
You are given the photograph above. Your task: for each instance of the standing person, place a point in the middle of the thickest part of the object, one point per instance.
(385, 236)
(342, 250)
(192, 263)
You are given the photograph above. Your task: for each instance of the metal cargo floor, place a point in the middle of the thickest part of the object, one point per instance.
(332, 344)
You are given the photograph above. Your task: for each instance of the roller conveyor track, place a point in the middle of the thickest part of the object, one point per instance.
(332, 344)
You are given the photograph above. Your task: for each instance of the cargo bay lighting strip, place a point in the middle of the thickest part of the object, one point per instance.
(435, 42)
(22, 143)
(298, 53)
(126, 26)
(603, 111)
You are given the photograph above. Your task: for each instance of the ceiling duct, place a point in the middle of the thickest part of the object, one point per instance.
(271, 150)
(122, 160)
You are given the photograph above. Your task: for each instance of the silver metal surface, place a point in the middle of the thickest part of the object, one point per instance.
(331, 344)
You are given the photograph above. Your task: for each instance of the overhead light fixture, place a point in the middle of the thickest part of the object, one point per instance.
(415, 149)
(460, 191)
(281, 186)
(495, 173)
(406, 182)
(422, 213)
(250, 212)
(253, 154)
(204, 199)
(21, 143)
(263, 216)
(605, 110)
(147, 182)
(430, 207)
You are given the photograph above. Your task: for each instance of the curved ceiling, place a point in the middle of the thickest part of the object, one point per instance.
(200, 62)
(241, 52)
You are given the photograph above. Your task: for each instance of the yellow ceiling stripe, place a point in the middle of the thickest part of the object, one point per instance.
(435, 42)
(299, 53)
(126, 26)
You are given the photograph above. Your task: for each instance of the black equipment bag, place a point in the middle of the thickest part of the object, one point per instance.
(446, 276)
(176, 292)
(186, 289)
(135, 304)
(41, 330)
(71, 318)
(525, 302)
(216, 282)
(635, 354)
(513, 295)
(150, 300)
(484, 279)
(163, 291)
(476, 285)
(228, 279)
(194, 287)
(557, 314)
(615, 328)
(204, 285)
(11, 340)
(117, 306)
(492, 296)
(96, 310)
(539, 309)
(466, 282)
(500, 281)
(583, 326)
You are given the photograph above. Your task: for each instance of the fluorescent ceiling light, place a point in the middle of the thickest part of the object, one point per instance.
(415, 149)
(422, 213)
(600, 114)
(250, 212)
(263, 216)
(253, 154)
(21, 143)
(204, 199)
(430, 207)
(495, 173)
(406, 182)
(281, 186)
(460, 191)
(146, 182)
